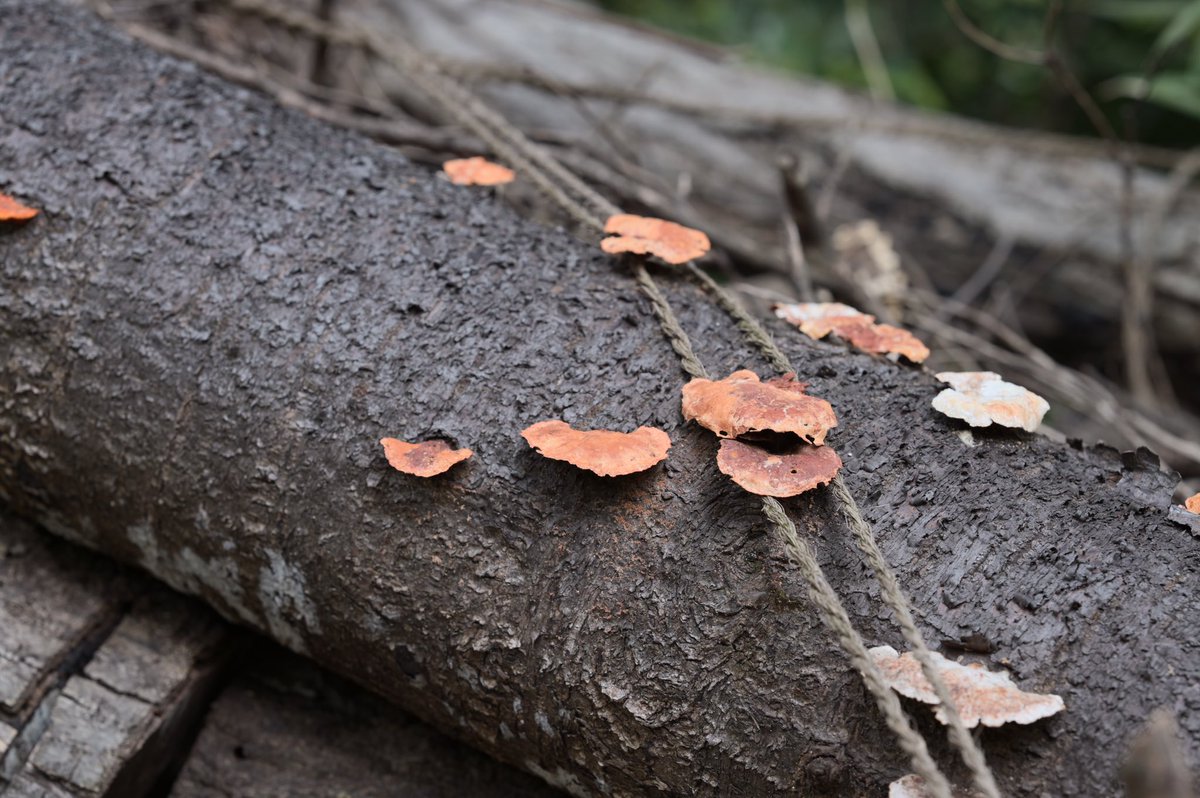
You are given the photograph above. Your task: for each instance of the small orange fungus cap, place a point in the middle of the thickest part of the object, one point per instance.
(13, 211)
(645, 235)
(981, 696)
(780, 475)
(477, 171)
(604, 452)
(883, 339)
(818, 319)
(742, 403)
(426, 459)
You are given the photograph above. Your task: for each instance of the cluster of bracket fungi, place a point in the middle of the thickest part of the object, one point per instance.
(773, 433)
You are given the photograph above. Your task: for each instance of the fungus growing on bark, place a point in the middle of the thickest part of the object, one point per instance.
(477, 171)
(981, 696)
(781, 475)
(13, 211)
(883, 339)
(1192, 505)
(981, 398)
(645, 235)
(604, 452)
(913, 786)
(426, 459)
(741, 403)
(818, 319)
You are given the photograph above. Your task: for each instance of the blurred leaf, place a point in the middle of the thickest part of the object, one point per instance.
(1142, 12)
(1183, 25)
(1178, 91)
(914, 85)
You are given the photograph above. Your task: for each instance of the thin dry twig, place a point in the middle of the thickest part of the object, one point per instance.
(1138, 312)
(1137, 329)
(987, 272)
(989, 42)
(866, 47)
(1030, 141)
(1137, 322)
(799, 223)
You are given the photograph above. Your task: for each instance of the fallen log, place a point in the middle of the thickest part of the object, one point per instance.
(224, 306)
(1040, 228)
(999, 233)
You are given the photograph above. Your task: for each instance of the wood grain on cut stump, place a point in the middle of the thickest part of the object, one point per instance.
(110, 670)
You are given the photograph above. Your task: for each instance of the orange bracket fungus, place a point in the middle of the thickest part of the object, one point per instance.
(764, 473)
(913, 786)
(741, 403)
(604, 452)
(13, 211)
(818, 319)
(477, 171)
(427, 459)
(981, 398)
(884, 339)
(980, 695)
(1192, 505)
(645, 235)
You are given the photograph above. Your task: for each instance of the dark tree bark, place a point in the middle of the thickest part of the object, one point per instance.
(225, 305)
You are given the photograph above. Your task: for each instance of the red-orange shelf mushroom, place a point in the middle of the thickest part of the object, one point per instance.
(764, 473)
(742, 403)
(646, 235)
(819, 319)
(604, 452)
(425, 459)
(13, 211)
(477, 171)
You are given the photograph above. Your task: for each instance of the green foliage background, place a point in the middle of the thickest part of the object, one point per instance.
(1140, 59)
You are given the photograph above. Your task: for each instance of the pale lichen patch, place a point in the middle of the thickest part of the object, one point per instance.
(217, 580)
(562, 779)
(283, 594)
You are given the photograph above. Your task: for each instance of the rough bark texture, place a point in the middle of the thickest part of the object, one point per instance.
(226, 305)
(284, 727)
